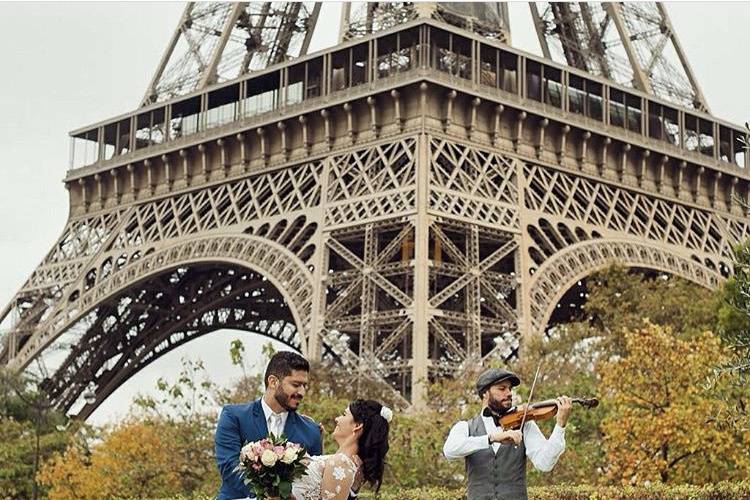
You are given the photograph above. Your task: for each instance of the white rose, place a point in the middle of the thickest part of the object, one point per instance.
(247, 453)
(290, 455)
(268, 458)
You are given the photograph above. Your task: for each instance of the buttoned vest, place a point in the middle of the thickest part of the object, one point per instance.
(495, 476)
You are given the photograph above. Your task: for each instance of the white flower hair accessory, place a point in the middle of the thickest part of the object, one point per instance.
(386, 413)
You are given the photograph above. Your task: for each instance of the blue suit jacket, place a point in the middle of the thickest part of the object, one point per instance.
(239, 424)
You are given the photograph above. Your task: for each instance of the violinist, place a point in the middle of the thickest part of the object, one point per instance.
(496, 457)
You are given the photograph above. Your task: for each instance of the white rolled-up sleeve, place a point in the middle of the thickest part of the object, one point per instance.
(459, 444)
(543, 452)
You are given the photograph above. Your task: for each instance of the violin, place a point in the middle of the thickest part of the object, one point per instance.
(542, 410)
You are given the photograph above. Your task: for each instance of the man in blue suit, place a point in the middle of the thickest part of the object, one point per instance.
(286, 380)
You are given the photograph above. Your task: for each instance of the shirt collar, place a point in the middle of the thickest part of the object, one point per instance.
(267, 411)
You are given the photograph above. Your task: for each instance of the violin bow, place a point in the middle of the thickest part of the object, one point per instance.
(531, 395)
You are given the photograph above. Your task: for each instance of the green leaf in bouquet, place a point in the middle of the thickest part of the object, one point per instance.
(285, 489)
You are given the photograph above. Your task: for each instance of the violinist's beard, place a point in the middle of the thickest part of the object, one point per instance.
(498, 406)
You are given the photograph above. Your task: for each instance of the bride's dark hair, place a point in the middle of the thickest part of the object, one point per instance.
(373, 443)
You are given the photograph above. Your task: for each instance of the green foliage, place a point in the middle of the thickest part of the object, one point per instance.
(734, 329)
(250, 384)
(734, 309)
(718, 491)
(184, 411)
(660, 413)
(621, 300)
(31, 431)
(618, 301)
(416, 456)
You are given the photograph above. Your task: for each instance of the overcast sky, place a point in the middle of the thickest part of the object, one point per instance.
(66, 65)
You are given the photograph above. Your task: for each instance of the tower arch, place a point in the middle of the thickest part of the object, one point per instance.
(167, 298)
(568, 266)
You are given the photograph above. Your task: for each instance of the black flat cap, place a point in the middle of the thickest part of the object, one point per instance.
(492, 376)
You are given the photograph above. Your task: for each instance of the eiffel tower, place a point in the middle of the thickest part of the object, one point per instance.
(414, 201)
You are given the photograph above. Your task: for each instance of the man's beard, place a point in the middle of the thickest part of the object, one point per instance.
(497, 406)
(284, 400)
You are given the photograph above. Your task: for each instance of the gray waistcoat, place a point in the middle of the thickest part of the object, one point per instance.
(491, 476)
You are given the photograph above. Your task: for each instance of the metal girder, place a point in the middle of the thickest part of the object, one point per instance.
(216, 41)
(489, 19)
(700, 100)
(640, 79)
(632, 43)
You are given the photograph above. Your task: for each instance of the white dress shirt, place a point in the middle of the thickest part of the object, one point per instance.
(542, 452)
(274, 421)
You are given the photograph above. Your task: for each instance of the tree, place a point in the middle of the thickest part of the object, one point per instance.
(660, 425)
(185, 412)
(133, 460)
(618, 300)
(31, 430)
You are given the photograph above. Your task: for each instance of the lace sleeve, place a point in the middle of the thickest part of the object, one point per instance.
(338, 476)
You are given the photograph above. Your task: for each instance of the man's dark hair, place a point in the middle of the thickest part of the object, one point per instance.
(283, 363)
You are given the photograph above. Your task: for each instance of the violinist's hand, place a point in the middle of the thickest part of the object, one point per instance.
(564, 405)
(513, 437)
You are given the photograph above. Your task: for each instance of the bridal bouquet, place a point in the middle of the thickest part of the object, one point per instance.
(270, 465)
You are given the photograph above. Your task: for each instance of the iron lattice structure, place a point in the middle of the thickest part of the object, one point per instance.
(215, 42)
(632, 43)
(410, 203)
(489, 19)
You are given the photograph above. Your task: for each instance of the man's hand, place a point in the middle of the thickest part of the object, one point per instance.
(513, 437)
(564, 405)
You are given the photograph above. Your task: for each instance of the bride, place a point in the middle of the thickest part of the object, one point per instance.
(362, 435)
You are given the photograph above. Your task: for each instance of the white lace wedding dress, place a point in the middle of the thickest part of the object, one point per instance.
(329, 477)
